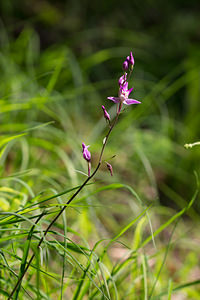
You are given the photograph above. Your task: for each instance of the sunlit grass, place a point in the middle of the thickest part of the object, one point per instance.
(119, 239)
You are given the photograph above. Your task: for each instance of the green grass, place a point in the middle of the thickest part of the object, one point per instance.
(130, 236)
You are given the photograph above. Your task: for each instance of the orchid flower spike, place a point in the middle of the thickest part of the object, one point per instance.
(124, 92)
(106, 114)
(86, 152)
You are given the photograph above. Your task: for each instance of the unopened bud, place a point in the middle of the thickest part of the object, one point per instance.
(110, 169)
(125, 65)
(86, 152)
(131, 59)
(106, 114)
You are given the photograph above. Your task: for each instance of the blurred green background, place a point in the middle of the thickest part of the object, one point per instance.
(60, 60)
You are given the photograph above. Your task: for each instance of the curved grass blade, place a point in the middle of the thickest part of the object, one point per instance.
(25, 255)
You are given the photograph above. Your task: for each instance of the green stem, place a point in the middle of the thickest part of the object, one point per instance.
(67, 203)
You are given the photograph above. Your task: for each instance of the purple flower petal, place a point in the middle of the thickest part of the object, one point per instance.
(129, 91)
(114, 99)
(131, 101)
(122, 79)
(125, 86)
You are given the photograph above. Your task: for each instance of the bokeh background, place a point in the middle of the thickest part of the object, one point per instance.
(86, 42)
(59, 60)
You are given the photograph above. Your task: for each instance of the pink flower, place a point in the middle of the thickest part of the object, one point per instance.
(123, 96)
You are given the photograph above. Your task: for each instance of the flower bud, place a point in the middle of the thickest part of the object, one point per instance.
(110, 169)
(131, 59)
(86, 152)
(125, 65)
(106, 114)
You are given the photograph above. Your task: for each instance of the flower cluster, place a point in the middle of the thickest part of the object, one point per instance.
(123, 98)
(124, 92)
(128, 63)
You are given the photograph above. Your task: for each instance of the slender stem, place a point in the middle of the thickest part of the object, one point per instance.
(67, 203)
(129, 75)
(107, 136)
(89, 168)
